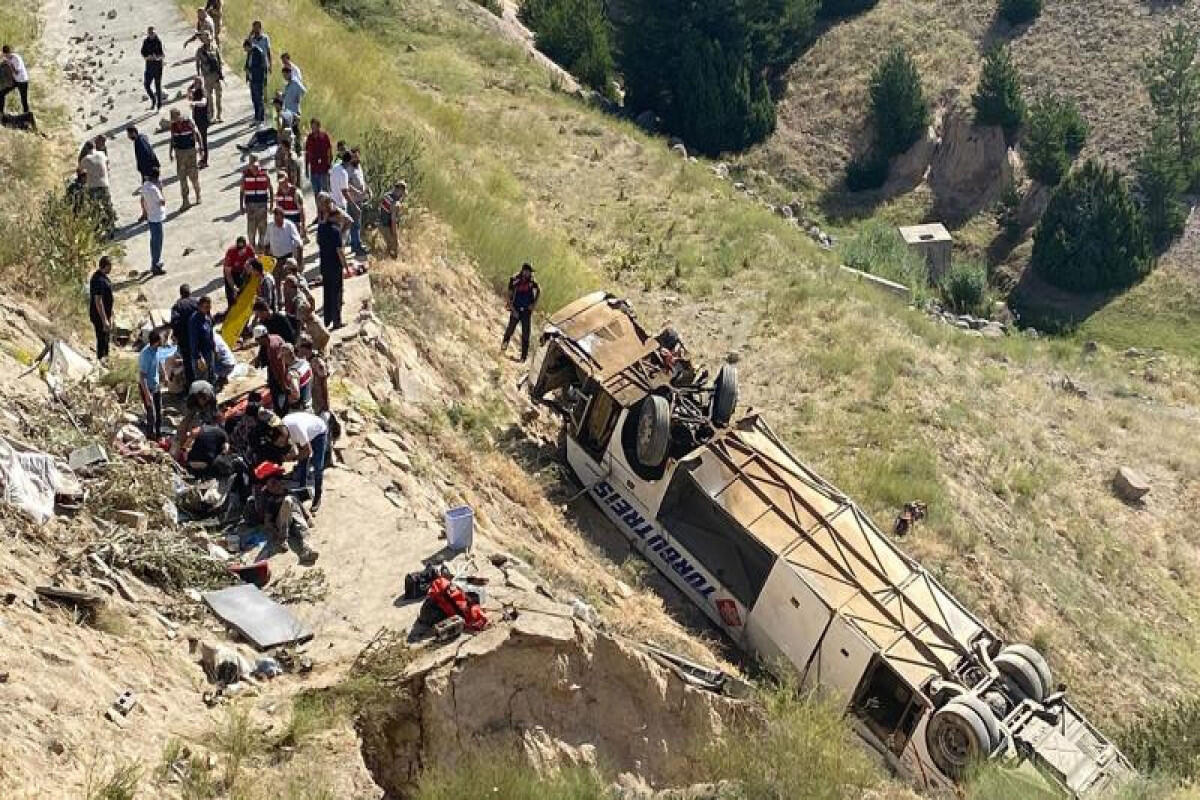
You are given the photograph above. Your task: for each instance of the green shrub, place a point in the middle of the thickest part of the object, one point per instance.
(577, 35)
(899, 110)
(878, 249)
(1055, 134)
(389, 156)
(1007, 210)
(1015, 12)
(493, 6)
(964, 286)
(867, 171)
(1166, 740)
(997, 98)
(1091, 237)
(805, 750)
(843, 8)
(1161, 182)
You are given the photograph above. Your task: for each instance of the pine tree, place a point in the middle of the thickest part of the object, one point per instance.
(844, 8)
(899, 109)
(1161, 182)
(577, 35)
(1173, 80)
(1055, 134)
(699, 66)
(1092, 237)
(998, 99)
(1016, 12)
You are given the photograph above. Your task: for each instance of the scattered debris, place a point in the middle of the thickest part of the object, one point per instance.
(89, 456)
(1130, 485)
(263, 622)
(309, 586)
(85, 600)
(31, 481)
(1068, 385)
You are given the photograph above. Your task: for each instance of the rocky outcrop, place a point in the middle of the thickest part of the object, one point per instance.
(970, 167)
(549, 688)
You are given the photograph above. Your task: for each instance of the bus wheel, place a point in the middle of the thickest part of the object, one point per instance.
(653, 431)
(958, 736)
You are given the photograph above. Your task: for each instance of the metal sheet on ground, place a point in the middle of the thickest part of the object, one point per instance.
(239, 313)
(263, 622)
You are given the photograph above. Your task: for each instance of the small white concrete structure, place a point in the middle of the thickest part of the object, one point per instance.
(934, 242)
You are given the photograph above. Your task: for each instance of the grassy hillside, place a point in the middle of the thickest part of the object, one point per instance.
(1090, 50)
(891, 405)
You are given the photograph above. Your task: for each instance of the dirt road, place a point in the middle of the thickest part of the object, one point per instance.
(97, 45)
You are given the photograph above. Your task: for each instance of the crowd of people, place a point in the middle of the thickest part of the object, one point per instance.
(246, 439)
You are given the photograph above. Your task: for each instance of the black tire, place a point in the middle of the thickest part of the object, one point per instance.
(957, 738)
(985, 713)
(653, 431)
(725, 395)
(1035, 660)
(1021, 674)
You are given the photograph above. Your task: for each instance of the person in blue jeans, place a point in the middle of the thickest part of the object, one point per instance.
(200, 338)
(309, 433)
(257, 69)
(154, 209)
(149, 383)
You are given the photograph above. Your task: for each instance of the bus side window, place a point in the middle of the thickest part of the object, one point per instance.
(886, 704)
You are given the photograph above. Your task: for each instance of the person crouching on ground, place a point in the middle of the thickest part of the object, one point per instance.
(284, 516)
(299, 380)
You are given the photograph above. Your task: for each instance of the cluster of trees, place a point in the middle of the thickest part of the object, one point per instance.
(705, 69)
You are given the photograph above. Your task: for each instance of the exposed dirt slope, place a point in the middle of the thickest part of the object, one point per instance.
(1090, 50)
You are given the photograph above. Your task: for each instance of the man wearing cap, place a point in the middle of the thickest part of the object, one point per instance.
(310, 435)
(255, 199)
(211, 69)
(331, 222)
(270, 355)
(284, 515)
(183, 150)
(523, 293)
(283, 240)
(389, 217)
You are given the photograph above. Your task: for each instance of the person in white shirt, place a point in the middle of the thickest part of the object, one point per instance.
(20, 78)
(310, 434)
(283, 240)
(339, 181)
(286, 59)
(94, 164)
(154, 209)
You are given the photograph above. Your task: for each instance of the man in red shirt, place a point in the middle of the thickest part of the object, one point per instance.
(318, 157)
(237, 268)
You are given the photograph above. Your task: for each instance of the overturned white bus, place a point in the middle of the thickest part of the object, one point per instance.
(792, 570)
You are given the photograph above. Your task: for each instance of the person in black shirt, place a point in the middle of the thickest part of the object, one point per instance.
(209, 457)
(100, 305)
(181, 317)
(143, 153)
(523, 293)
(152, 52)
(332, 263)
(276, 322)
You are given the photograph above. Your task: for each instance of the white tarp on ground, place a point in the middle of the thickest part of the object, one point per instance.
(29, 481)
(65, 366)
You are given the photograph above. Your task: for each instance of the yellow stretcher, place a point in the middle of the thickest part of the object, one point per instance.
(239, 313)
